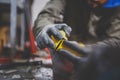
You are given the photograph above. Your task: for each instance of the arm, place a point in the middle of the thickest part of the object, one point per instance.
(111, 44)
(49, 22)
(51, 14)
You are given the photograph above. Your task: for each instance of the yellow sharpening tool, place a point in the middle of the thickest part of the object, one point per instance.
(65, 44)
(59, 43)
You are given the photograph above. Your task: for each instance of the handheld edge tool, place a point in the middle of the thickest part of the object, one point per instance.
(65, 44)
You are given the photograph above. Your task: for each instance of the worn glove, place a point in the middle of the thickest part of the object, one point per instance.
(84, 67)
(66, 65)
(75, 58)
(100, 58)
(43, 39)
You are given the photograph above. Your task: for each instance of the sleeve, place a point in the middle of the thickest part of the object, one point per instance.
(113, 31)
(105, 54)
(52, 13)
(106, 50)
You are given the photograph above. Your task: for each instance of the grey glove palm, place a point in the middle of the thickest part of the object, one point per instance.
(44, 37)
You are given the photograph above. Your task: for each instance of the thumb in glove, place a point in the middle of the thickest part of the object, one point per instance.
(44, 37)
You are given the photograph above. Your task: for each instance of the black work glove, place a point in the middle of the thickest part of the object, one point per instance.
(43, 39)
(100, 58)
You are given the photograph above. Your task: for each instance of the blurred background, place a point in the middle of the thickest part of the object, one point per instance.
(19, 57)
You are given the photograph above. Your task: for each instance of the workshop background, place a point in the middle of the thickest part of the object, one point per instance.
(20, 59)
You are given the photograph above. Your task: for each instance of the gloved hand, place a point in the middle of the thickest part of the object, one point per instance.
(76, 59)
(43, 39)
(99, 59)
(63, 63)
(84, 67)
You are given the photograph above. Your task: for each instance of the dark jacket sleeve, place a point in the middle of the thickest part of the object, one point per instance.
(104, 55)
(106, 51)
(113, 31)
(52, 13)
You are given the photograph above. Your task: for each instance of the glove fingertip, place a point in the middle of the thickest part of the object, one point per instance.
(68, 30)
(58, 35)
(52, 45)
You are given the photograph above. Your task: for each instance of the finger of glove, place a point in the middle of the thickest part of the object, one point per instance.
(49, 42)
(46, 41)
(67, 30)
(69, 55)
(73, 58)
(56, 33)
(40, 43)
(64, 27)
